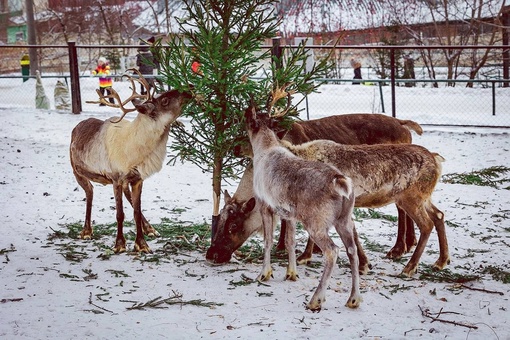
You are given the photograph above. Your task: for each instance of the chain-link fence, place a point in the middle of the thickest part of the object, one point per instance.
(425, 84)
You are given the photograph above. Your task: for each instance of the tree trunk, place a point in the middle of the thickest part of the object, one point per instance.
(218, 165)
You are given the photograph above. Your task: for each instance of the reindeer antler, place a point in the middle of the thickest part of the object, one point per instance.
(277, 94)
(135, 95)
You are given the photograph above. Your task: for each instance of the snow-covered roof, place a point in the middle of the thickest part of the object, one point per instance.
(332, 16)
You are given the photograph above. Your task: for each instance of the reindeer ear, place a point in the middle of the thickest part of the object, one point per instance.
(226, 197)
(278, 129)
(145, 108)
(251, 118)
(248, 206)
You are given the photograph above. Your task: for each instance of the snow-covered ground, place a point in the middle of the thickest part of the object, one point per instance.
(44, 295)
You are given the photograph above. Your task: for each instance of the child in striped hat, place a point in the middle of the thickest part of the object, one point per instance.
(105, 81)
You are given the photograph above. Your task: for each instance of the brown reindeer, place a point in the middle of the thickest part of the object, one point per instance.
(314, 193)
(124, 154)
(403, 174)
(240, 218)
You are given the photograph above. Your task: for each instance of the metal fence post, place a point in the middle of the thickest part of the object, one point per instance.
(493, 97)
(393, 100)
(382, 97)
(75, 78)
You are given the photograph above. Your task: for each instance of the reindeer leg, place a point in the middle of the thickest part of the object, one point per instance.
(290, 243)
(364, 263)
(306, 256)
(330, 254)
(400, 247)
(281, 240)
(141, 245)
(348, 234)
(120, 241)
(87, 231)
(268, 224)
(146, 226)
(411, 240)
(444, 258)
(421, 217)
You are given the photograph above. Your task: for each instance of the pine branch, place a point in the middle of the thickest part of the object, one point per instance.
(176, 299)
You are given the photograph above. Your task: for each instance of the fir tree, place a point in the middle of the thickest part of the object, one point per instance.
(226, 38)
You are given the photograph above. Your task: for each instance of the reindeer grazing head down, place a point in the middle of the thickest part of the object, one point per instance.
(233, 233)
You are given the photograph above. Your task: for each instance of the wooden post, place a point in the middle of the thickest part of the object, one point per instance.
(75, 78)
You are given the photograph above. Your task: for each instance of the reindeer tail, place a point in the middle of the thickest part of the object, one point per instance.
(343, 185)
(411, 125)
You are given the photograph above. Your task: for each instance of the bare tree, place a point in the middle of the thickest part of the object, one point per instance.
(459, 23)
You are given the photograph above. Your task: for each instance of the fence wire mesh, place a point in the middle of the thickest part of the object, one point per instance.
(430, 92)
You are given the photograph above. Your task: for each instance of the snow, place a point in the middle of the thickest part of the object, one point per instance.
(39, 300)
(333, 16)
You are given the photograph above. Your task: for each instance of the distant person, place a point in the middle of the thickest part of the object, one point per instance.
(146, 63)
(409, 70)
(356, 65)
(105, 81)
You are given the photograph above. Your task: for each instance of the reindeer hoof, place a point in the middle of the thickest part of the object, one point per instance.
(86, 235)
(364, 268)
(354, 302)
(142, 249)
(119, 249)
(291, 276)
(120, 246)
(409, 271)
(303, 260)
(395, 253)
(314, 306)
(150, 231)
(265, 276)
(440, 264)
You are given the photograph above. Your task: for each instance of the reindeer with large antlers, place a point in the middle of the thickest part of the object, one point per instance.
(314, 193)
(124, 153)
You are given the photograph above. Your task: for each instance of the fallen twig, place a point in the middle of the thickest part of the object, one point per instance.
(11, 300)
(93, 304)
(173, 300)
(7, 250)
(481, 290)
(426, 313)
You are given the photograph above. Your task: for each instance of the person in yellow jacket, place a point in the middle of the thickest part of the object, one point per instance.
(105, 81)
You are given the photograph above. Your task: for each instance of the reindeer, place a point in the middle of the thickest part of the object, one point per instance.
(404, 174)
(124, 154)
(240, 217)
(312, 192)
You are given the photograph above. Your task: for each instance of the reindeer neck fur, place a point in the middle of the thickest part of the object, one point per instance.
(140, 145)
(264, 139)
(245, 189)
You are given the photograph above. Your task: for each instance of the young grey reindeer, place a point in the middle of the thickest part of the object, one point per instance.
(404, 174)
(314, 193)
(124, 153)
